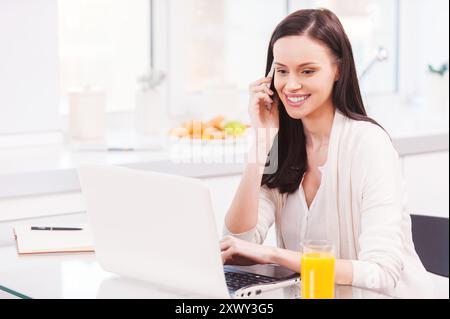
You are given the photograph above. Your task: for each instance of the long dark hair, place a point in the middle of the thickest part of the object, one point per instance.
(324, 26)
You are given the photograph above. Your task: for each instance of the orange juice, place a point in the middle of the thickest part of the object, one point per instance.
(317, 275)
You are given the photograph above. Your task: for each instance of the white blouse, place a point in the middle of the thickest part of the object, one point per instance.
(300, 223)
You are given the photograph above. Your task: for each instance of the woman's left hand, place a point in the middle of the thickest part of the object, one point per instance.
(240, 252)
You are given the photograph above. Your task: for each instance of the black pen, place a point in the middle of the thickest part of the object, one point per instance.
(55, 228)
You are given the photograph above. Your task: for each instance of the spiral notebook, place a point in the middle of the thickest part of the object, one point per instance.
(52, 241)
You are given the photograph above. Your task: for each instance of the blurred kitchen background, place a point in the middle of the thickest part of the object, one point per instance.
(120, 82)
(207, 53)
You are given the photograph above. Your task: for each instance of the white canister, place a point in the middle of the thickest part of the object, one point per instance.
(87, 113)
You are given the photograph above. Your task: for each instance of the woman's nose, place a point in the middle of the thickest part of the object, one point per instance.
(293, 84)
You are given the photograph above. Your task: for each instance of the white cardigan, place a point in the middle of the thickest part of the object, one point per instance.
(364, 202)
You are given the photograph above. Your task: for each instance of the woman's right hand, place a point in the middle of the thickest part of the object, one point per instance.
(260, 116)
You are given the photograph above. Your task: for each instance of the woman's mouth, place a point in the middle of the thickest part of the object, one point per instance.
(297, 99)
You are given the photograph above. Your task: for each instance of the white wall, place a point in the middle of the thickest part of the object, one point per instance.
(28, 66)
(424, 38)
(427, 183)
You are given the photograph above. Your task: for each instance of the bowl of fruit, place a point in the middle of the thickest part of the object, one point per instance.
(215, 129)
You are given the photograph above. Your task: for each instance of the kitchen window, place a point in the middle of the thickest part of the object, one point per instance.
(372, 27)
(104, 43)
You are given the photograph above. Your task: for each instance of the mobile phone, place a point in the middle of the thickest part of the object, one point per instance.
(270, 74)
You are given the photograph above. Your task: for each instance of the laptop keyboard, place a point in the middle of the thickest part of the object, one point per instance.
(236, 280)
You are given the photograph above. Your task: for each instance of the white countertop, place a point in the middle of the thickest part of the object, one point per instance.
(48, 168)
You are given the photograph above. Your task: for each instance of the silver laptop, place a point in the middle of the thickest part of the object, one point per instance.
(161, 228)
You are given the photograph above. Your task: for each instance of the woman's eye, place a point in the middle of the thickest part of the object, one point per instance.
(282, 72)
(308, 72)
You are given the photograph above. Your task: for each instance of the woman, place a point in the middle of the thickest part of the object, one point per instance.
(338, 175)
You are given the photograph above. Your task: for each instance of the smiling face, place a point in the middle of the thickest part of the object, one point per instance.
(305, 71)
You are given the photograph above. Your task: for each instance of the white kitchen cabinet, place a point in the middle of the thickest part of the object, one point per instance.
(427, 183)
(426, 176)
(222, 193)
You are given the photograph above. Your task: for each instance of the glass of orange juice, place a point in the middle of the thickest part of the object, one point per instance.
(317, 270)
